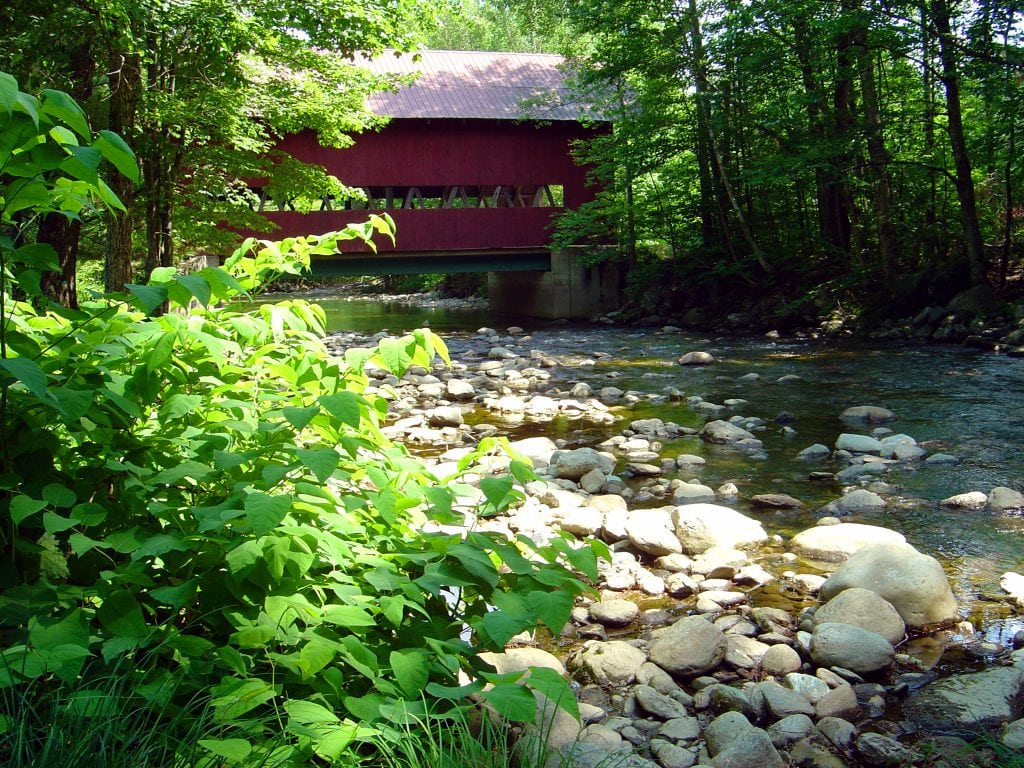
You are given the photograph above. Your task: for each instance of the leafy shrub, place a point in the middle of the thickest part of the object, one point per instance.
(208, 489)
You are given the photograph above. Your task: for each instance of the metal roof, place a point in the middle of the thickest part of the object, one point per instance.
(481, 85)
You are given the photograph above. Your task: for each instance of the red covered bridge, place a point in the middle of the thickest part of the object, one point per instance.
(473, 165)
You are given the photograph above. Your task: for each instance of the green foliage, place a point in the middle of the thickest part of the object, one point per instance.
(198, 484)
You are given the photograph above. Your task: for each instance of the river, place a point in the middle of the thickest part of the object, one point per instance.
(953, 400)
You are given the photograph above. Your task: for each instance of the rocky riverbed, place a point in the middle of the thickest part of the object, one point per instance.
(720, 637)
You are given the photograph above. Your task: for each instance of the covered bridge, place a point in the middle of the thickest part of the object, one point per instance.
(473, 164)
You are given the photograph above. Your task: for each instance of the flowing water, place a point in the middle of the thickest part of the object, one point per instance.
(954, 400)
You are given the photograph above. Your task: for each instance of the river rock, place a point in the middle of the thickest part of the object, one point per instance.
(692, 493)
(1013, 583)
(865, 609)
(790, 729)
(859, 444)
(814, 452)
(652, 531)
(613, 663)
(537, 449)
(700, 527)
(750, 749)
(850, 647)
(811, 688)
(723, 432)
(914, 583)
(697, 358)
(658, 704)
(838, 703)
(974, 500)
(689, 461)
(725, 729)
(871, 414)
(1013, 735)
(581, 521)
(860, 500)
(690, 647)
(775, 501)
(876, 749)
(614, 612)
(1002, 500)
(459, 389)
(572, 465)
(835, 543)
(780, 660)
(965, 705)
(445, 416)
(773, 702)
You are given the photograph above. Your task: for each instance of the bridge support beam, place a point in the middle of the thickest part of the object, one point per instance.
(569, 290)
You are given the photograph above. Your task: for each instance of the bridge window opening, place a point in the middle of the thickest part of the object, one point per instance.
(419, 198)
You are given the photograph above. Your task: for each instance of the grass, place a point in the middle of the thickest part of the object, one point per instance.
(107, 723)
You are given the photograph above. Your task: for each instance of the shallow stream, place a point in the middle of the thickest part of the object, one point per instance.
(953, 400)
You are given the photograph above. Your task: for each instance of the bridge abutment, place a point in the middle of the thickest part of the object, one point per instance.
(570, 290)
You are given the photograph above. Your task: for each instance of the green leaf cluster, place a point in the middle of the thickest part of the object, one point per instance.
(190, 479)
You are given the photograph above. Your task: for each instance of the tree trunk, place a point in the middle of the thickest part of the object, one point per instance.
(961, 161)
(879, 159)
(63, 234)
(125, 86)
(833, 217)
(55, 229)
(930, 243)
(841, 200)
(726, 196)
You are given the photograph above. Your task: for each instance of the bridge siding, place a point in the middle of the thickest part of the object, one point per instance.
(452, 152)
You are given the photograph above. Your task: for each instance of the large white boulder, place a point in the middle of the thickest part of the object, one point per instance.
(700, 527)
(835, 543)
(914, 583)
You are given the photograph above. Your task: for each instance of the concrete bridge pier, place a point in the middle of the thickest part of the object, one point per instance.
(569, 290)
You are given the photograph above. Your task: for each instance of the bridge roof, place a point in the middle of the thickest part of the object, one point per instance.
(481, 85)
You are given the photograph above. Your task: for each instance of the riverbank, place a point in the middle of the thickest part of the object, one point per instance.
(700, 533)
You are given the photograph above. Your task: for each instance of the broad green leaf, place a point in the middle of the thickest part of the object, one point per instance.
(149, 297)
(176, 596)
(315, 655)
(300, 417)
(190, 645)
(476, 562)
(396, 354)
(190, 469)
(309, 712)
(179, 405)
(512, 701)
(23, 507)
(411, 670)
(365, 708)
(73, 404)
(321, 462)
(59, 495)
(501, 627)
(266, 512)
(232, 750)
(62, 106)
(30, 374)
(26, 193)
(8, 92)
(54, 523)
(161, 351)
(344, 406)
(233, 698)
(122, 616)
(197, 286)
(348, 616)
(556, 688)
(442, 692)
(42, 256)
(118, 153)
(552, 607)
